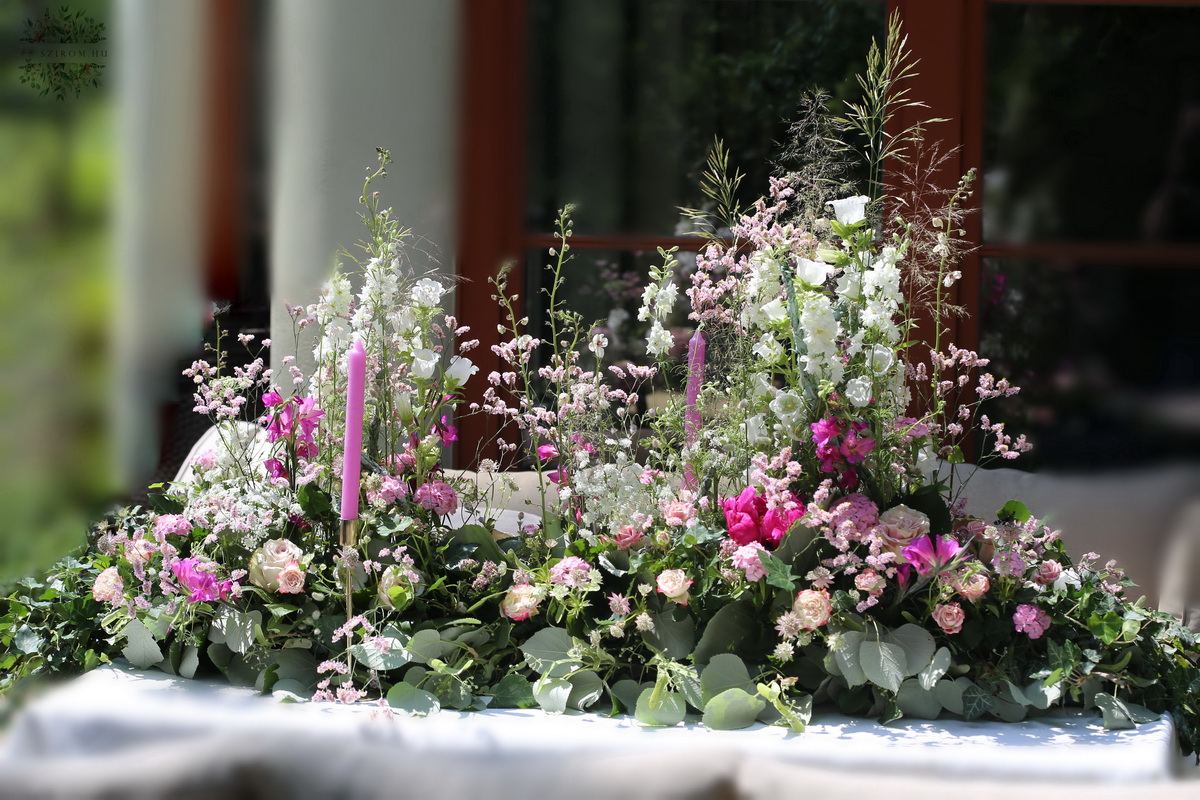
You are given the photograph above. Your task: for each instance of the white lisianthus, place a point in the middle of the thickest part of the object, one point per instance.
(769, 349)
(850, 210)
(858, 391)
(460, 370)
(427, 292)
(659, 340)
(881, 358)
(813, 272)
(424, 364)
(787, 405)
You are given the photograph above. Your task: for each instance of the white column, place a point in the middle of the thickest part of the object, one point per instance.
(345, 78)
(158, 298)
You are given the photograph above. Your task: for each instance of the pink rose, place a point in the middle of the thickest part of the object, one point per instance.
(871, 582)
(109, 588)
(291, 579)
(674, 584)
(627, 537)
(1031, 620)
(902, 525)
(813, 607)
(973, 585)
(746, 558)
(521, 602)
(949, 617)
(743, 515)
(1047, 572)
(139, 551)
(678, 514)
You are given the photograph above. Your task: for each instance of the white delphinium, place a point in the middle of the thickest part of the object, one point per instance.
(659, 340)
(821, 331)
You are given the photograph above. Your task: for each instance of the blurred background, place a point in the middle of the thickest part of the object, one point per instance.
(162, 161)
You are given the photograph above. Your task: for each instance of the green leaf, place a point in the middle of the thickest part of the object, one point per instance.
(552, 694)
(726, 632)
(412, 701)
(394, 525)
(288, 691)
(933, 673)
(1120, 714)
(918, 646)
(314, 501)
(1106, 627)
(141, 650)
(190, 662)
(486, 548)
(298, 666)
(219, 655)
(548, 652)
(676, 638)
(628, 691)
(956, 456)
(513, 691)
(687, 682)
(668, 712)
(426, 645)
(848, 658)
(586, 689)
(950, 695)
(975, 701)
(724, 672)
(914, 700)
(732, 709)
(397, 653)
(1007, 710)
(1013, 511)
(234, 629)
(779, 573)
(1042, 696)
(28, 641)
(882, 663)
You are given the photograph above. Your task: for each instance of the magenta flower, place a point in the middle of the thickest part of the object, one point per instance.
(275, 468)
(192, 574)
(826, 429)
(931, 555)
(447, 432)
(547, 451)
(743, 514)
(854, 447)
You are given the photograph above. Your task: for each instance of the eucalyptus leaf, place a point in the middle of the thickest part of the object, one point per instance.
(676, 638)
(914, 700)
(486, 548)
(586, 689)
(552, 694)
(724, 672)
(732, 709)
(883, 663)
(427, 645)
(548, 652)
(297, 666)
(950, 695)
(1008, 711)
(289, 691)
(412, 701)
(234, 629)
(1120, 714)
(668, 712)
(937, 667)
(726, 632)
(513, 691)
(140, 649)
(627, 692)
(849, 658)
(918, 645)
(190, 661)
(396, 656)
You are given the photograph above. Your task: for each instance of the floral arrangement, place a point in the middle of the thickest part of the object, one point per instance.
(787, 531)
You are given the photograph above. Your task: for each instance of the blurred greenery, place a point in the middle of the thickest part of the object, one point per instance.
(56, 167)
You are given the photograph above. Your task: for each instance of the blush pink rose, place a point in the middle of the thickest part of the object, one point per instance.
(949, 617)
(268, 561)
(521, 602)
(678, 514)
(674, 584)
(901, 525)
(291, 579)
(628, 536)
(1047, 572)
(871, 582)
(108, 587)
(813, 607)
(973, 585)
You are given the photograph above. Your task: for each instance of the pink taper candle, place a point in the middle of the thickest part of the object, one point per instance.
(356, 377)
(691, 412)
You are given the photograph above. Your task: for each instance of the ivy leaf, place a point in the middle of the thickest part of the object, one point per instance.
(732, 709)
(141, 650)
(779, 573)
(314, 501)
(1106, 627)
(513, 691)
(1013, 511)
(1041, 695)
(28, 641)
(1120, 714)
(975, 701)
(412, 701)
(882, 663)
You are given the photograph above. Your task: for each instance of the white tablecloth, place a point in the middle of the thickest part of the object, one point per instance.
(118, 715)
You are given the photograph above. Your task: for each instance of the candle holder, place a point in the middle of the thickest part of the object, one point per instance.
(349, 533)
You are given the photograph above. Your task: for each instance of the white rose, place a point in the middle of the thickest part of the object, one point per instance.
(850, 210)
(427, 292)
(902, 524)
(460, 370)
(813, 607)
(425, 363)
(674, 584)
(393, 577)
(858, 391)
(271, 559)
(521, 602)
(810, 271)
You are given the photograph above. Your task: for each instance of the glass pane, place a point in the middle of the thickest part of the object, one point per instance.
(1092, 123)
(1107, 358)
(626, 97)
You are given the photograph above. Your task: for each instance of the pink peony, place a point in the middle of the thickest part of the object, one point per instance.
(438, 497)
(1031, 620)
(813, 608)
(674, 584)
(109, 588)
(743, 514)
(521, 602)
(746, 558)
(777, 522)
(949, 617)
